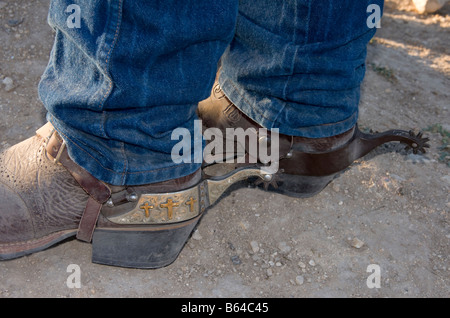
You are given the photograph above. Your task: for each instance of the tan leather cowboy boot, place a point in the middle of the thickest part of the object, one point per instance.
(306, 165)
(45, 198)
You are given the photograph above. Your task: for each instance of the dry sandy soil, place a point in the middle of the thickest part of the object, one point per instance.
(390, 209)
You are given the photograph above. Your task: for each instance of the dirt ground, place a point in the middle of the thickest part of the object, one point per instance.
(391, 209)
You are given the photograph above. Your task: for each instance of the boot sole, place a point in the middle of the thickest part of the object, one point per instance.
(14, 250)
(138, 247)
(141, 247)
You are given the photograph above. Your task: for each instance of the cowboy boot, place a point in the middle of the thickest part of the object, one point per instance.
(45, 198)
(306, 165)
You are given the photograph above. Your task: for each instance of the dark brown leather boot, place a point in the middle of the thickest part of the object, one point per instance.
(306, 165)
(45, 197)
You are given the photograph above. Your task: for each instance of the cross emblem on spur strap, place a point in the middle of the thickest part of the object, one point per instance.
(159, 208)
(191, 203)
(169, 205)
(172, 208)
(146, 207)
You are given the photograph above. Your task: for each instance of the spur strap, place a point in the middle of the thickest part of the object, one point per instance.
(98, 191)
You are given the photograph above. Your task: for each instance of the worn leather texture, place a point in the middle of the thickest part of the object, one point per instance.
(37, 197)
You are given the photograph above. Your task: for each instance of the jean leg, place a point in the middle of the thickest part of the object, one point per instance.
(297, 65)
(124, 75)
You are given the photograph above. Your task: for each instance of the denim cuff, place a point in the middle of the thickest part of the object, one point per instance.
(120, 166)
(273, 113)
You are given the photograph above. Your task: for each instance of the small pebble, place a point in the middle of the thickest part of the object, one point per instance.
(255, 246)
(196, 235)
(356, 243)
(9, 83)
(299, 280)
(235, 260)
(301, 264)
(14, 22)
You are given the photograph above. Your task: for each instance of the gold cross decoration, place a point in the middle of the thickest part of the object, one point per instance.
(191, 204)
(169, 205)
(147, 208)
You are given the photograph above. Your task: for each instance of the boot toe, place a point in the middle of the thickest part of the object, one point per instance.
(15, 223)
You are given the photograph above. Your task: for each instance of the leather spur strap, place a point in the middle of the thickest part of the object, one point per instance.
(98, 192)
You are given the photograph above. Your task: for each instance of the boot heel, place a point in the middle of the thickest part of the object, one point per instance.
(141, 247)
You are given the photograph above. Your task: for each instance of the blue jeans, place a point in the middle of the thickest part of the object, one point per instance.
(124, 74)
